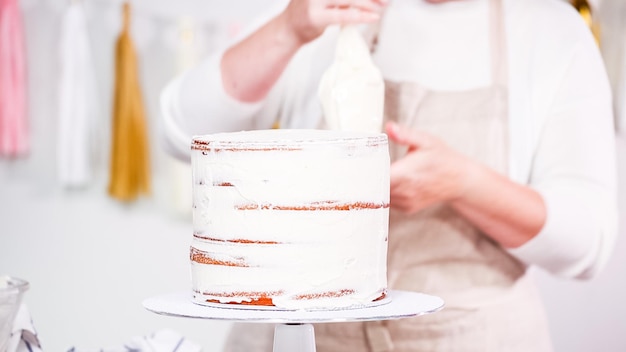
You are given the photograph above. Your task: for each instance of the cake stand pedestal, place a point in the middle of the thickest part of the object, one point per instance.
(294, 329)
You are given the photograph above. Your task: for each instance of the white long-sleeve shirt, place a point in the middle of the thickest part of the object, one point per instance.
(560, 116)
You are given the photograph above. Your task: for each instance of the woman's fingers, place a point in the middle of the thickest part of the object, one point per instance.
(309, 18)
(353, 11)
(351, 16)
(363, 5)
(429, 173)
(405, 136)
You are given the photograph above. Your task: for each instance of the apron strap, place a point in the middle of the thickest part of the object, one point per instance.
(497, 37)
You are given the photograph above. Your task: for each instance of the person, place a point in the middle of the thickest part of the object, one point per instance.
(502, 142)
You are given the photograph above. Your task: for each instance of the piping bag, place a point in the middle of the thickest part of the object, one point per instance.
(352, 90)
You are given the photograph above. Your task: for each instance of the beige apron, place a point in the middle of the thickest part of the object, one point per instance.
(491, 306)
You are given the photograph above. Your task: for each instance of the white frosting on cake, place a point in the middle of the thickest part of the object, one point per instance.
(298, 216)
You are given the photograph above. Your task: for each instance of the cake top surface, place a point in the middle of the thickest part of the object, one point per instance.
(279, 138)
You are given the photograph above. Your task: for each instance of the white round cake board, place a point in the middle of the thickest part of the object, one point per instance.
(299, 337)
(401, 304)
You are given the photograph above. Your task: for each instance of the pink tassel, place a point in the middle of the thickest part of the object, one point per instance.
(14, 138)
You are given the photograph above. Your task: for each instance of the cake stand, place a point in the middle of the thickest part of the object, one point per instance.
(294, 329)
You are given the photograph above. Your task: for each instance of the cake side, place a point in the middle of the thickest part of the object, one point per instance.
(311, 260)
(299, 225)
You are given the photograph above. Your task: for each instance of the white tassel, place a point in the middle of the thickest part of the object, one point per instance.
(77, 108)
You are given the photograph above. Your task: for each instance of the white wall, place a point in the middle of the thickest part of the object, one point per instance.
(91, 261)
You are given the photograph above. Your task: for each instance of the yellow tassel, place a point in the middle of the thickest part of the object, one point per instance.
(585, 11)
(130, 164)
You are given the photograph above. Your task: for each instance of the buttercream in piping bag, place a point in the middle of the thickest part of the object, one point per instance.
(352, 89)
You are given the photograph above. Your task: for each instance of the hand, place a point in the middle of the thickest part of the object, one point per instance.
(431, 172)
(309, 18)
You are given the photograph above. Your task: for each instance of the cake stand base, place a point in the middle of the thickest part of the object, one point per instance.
(294, 331)
(294, 337)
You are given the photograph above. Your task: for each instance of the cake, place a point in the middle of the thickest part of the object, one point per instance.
(294, 219)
